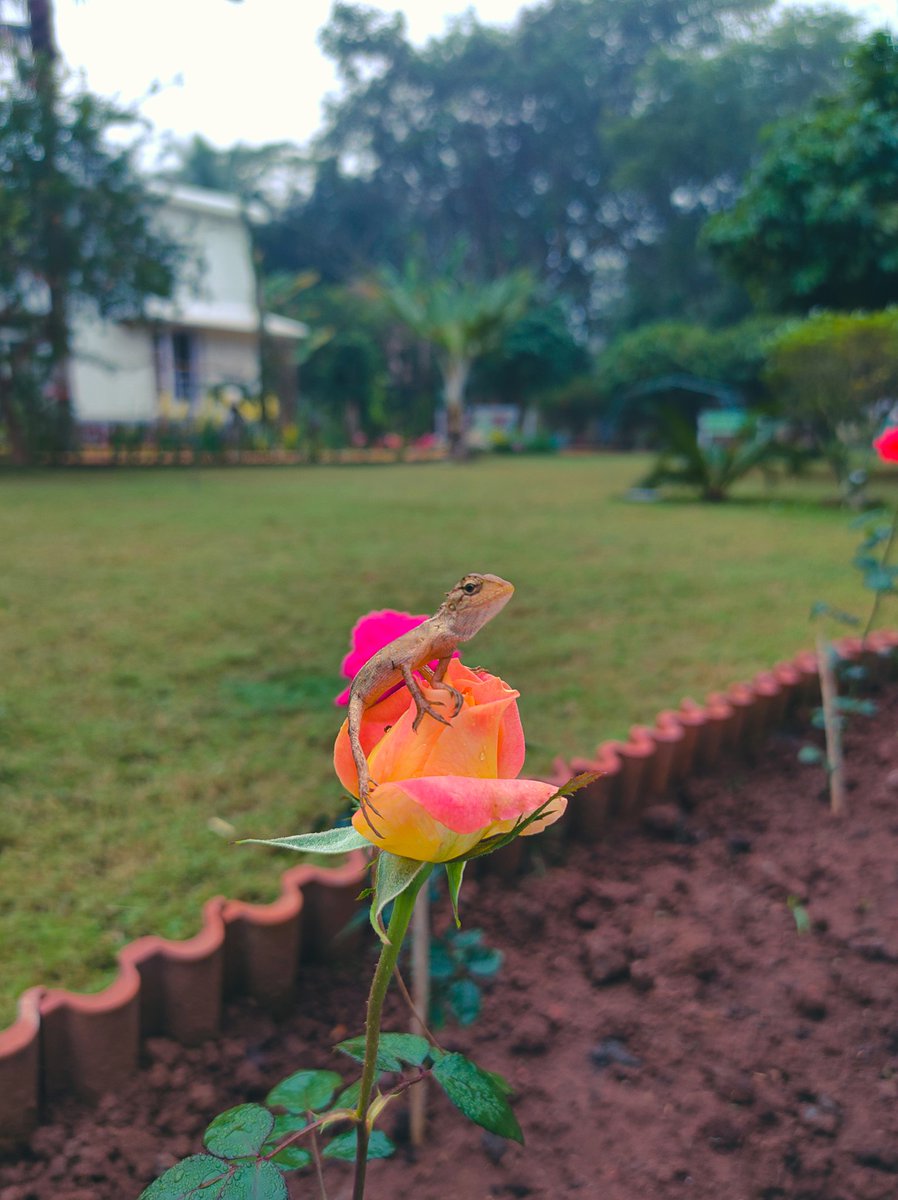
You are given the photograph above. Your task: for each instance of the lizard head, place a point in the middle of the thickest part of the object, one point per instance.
(473, 601)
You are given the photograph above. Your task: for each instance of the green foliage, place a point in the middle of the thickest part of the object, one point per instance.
(343, 1146)
(202, 1178)
(799, 914)
(239, 1132)
(538, 353)
(478, 1094)
(458, 960)
(713, 469)
(186, 1179)
(689, 362)
(304, 1091)
(394, 1051)
(817, 223)
(587, 142)
(462, 320)
(328, 841)
(829, 371)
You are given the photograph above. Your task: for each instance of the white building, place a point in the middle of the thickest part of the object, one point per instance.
(204, 340)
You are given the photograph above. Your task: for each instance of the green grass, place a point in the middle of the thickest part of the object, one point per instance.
(170, 645)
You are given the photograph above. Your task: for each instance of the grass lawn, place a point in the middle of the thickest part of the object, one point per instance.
(170, 645)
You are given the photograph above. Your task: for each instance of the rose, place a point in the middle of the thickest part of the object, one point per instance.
(886, 445)
(443, 789)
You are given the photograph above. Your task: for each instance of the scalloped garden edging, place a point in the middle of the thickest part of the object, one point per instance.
(69, 1043)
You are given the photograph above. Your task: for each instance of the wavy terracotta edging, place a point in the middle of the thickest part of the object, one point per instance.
(85, 1045)
(64, 1042)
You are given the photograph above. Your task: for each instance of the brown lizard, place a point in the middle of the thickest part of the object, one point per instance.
(473, 601)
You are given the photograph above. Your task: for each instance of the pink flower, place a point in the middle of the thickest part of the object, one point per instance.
(370, 634)
(886, 445)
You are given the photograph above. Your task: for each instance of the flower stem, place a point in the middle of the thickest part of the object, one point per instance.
(403, 907)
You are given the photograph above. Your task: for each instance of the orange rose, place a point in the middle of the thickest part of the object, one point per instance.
(444, 789)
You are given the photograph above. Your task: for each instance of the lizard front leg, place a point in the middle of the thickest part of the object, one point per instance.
(436, 679)
(356, 708)
(420, 703)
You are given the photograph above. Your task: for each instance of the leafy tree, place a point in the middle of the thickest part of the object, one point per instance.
(817, 223)
(828, 374)
(697, 366)
(461, 320)
(536, 143)
(77, 234)
(536, 354)
(683, 152)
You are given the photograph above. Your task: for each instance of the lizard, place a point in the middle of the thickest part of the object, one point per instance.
(468, 606)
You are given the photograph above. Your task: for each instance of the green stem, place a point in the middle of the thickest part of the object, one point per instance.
(403, 907)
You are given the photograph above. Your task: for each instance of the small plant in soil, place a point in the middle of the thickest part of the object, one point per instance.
(426, 820)
(879, 576)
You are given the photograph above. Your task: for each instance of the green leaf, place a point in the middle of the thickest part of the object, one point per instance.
(343, 1146)
(201, 1176)
(822, 609)
(441, 964)
(304, 1091)
(810, 756)
(394, 1050)
(328, 841)
(879, 579)
(239, 1132)
(800, 915)
(255, 1181)
(394, 874)
(349, 1097)
(465, 1001)
(454, 873)
(292, 1157)
(484, 961)
(477, 1094)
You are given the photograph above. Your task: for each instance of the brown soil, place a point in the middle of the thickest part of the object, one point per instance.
(668, 1029)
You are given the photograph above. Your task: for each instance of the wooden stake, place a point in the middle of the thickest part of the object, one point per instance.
(832, 728)
(421, 998)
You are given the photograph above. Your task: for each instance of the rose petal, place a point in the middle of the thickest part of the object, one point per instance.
(438, 818)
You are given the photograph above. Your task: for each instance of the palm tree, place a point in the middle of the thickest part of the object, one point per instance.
(462, 321)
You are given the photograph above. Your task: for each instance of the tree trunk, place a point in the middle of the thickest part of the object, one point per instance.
(45, 54)
(10, 419)
(40, 33)
(455, 379)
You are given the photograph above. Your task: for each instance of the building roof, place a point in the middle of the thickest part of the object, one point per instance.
(222, 316)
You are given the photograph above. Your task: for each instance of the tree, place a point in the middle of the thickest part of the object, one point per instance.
(816, 225)
(538, 143)
(76, 226)
(461, 320)
(828, 373)
(536, 354)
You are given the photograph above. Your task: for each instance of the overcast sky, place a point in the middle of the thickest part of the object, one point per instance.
(248, 72)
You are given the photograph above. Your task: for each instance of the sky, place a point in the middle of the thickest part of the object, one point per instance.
(251, 71)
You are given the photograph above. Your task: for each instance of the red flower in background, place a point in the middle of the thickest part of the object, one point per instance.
(886, 445)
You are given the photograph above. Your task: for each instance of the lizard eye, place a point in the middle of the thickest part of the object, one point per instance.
(470, 588)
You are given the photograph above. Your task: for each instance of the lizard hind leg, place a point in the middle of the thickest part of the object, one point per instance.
(422, 706)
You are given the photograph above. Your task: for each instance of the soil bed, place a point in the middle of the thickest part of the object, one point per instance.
(669, 1030)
